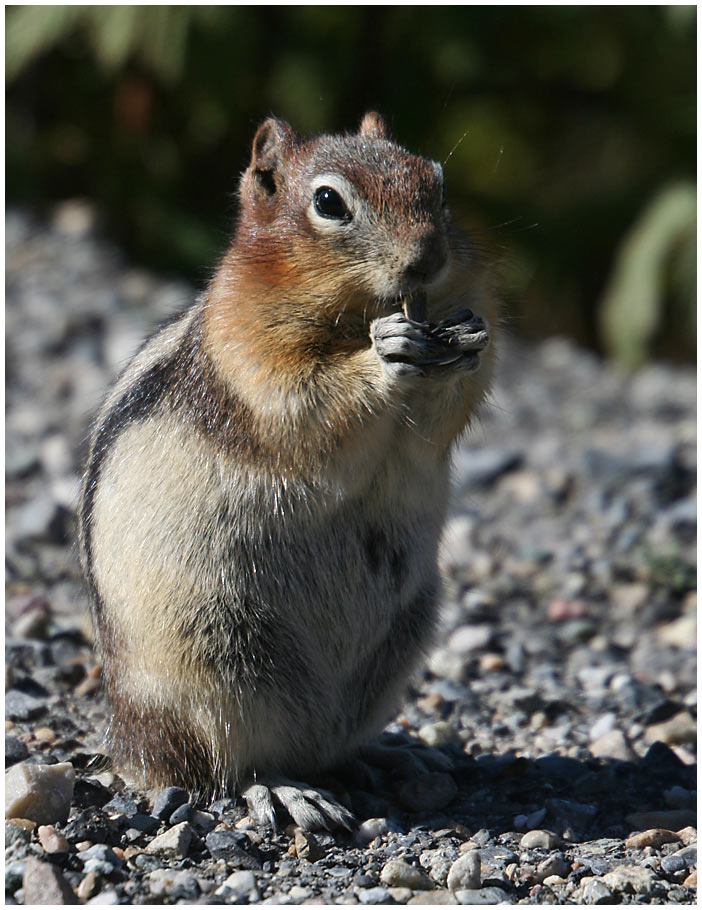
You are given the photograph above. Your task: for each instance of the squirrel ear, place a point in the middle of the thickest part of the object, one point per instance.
(273, 142)
(374, 126)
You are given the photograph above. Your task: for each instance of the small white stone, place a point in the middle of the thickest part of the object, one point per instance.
(464, 874)
(602, 725)
(469, 638)
(539, 838)
(174, 843)
(242, 883)
(613, 744)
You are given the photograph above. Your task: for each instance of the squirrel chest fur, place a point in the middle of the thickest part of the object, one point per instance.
(268, 479)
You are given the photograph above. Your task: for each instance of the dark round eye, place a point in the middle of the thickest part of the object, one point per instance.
(329, 204)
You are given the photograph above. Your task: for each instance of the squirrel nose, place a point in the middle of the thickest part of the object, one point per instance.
(429, 259)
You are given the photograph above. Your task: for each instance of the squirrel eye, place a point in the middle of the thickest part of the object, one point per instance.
(329, 204)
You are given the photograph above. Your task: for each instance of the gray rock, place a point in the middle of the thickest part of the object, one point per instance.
(15, 750)
(146, 824)
(464, 874)
(376, 895)
(42, 793)
(43, 883)
(555, 864)
(227, 845)
(167, 801)
(180, 883)
(174, 843)
(470, 638)
(21, 706)
(242, 884)
(595, 891)
(630, 879)
(613, 744)
(16, 834)
(102, 855)
(546, 840)
(680, 860)
(396, 873)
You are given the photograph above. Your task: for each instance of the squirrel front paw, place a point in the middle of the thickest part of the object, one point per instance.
(465, 333)
(408, 347)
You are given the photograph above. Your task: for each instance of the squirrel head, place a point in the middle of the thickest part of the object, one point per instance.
(342, 218)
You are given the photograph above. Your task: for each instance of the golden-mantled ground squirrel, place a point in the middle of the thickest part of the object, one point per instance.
(268, 479)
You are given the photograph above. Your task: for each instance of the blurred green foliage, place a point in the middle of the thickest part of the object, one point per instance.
(564, 128)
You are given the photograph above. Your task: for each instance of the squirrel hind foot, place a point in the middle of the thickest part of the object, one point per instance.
(311, 808)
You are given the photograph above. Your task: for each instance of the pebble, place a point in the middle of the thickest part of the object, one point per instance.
(242, 885)
(51, 840)
(41, 793)
(182, 814)
(15, 750)
(202, 821)
(179, 883)
(173, 843)
(691, 880)
(653, 837)
(595, 891)
(400, 895)
(631, 879)
(167, 801)
(43, 883)
(470, 638)
(680, 860)
(688, 835)
(439, 734)
(539, 837)
(307, 847)
(464, 874)
(22, 706)
(679, 730)
(230, 846)
(613, 744)
(376, 895)
(553, 866)
(88, 886)
(397, 873)
(16, 833)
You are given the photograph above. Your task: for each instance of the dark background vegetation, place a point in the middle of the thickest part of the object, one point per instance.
(569, 133)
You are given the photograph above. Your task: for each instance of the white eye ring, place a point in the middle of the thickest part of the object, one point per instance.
(333, 202)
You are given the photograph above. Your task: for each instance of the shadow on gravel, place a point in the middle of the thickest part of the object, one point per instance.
(579, 800)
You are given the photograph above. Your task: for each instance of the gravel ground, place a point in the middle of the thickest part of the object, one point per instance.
(562, 686)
